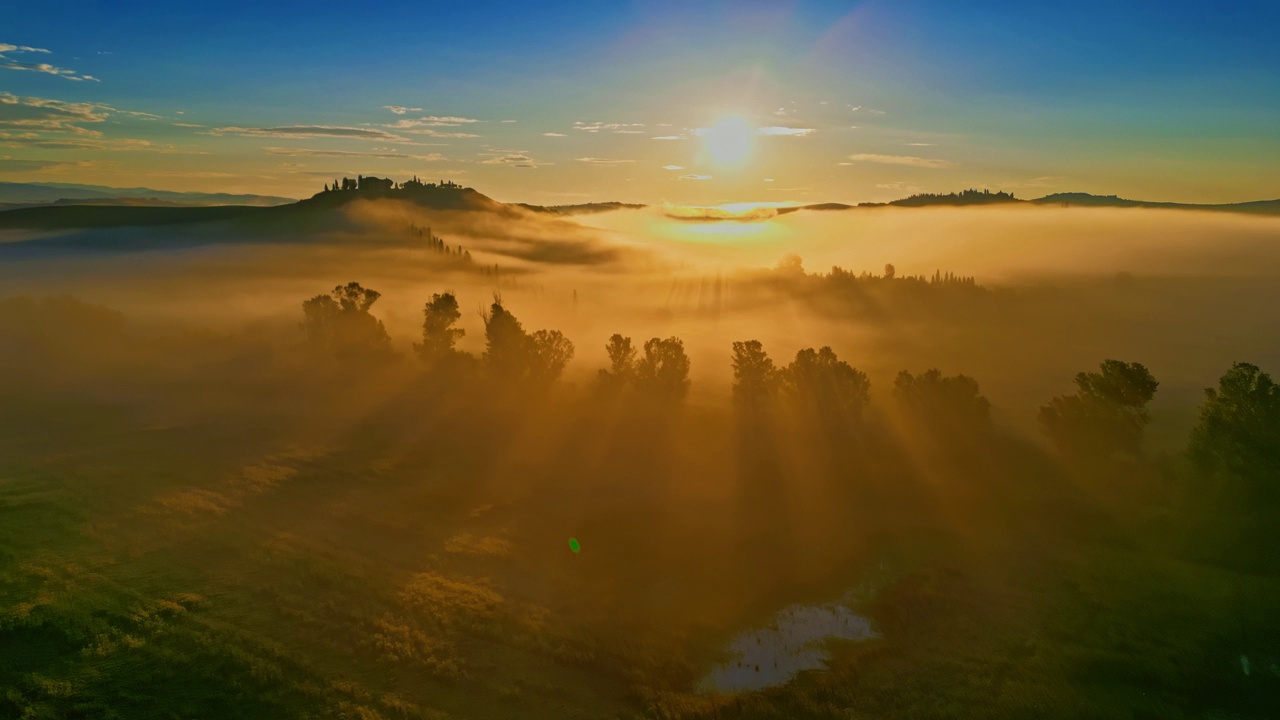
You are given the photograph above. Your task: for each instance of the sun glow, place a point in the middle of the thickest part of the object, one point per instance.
(728, 141)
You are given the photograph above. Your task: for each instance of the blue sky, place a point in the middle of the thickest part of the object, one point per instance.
(867, 100)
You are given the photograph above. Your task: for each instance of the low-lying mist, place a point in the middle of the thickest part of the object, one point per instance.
(1058, 289)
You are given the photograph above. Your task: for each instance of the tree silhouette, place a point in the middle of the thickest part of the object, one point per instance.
(1238, 432)
(438, 333)
(549, 352)
(664, 369)
(515, 356)
(755, 379)
(818, 381)
(622, 362)
(948, 407)
(1107, 413)
(506, 345)
(340, 322)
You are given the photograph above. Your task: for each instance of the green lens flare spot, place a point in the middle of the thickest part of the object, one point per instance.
(573, 545)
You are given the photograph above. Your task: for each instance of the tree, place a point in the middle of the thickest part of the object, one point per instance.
(1238, 432)
(506, 345)
(438, 333)
(1107, 413)
(791, 264)
(622, 362)
(818, 381)
(948, 407)
(664, 369)
(549, 352)
(340, 322)
(889, 271)
(515, 356)
(755, 379)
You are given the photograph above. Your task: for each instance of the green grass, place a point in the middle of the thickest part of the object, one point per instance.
(402, 553)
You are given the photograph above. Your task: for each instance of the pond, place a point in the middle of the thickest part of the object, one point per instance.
(793, 642)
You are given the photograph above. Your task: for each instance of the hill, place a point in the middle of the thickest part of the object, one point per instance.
(1079, 199)
(582, 208)
(442, 196)
(97, 209)
(43, 193)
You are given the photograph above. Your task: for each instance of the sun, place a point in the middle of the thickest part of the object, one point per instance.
(728, 141)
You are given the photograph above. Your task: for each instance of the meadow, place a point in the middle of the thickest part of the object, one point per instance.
(216, 501)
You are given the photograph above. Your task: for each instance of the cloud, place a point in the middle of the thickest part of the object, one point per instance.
(8, 165)
(514, 158)
(6, 47)
(695, 177)
(433, 121)
(44, 114)
(437, 134)
(1043, 181)
(623, 128)
(11, 64)
(187, 125)
(920, 144)
(669, 137)
(426, 126)
(554, 135)
(768, 179)
(603, 161)
(507, 121)
(907, 160)
(307, 152)
(400, 109)
(899, 186)
(308, 131)
(672, 167)
(793, 132)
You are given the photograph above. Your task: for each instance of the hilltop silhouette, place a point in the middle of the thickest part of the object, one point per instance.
(124, 211)
(1080, 199)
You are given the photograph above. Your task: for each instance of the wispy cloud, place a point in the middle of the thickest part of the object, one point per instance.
(672, 167)
(919, 144)
(432, 121)
(669, 137)
(7, 49)
(8, 164)
(308, 131)
(907, 160)
(307, 152)
(622, 128)
(514, 158)
(550, 134)
(899, 186)
(426, 126)
(44, 114)
(603, 161)
(400, 109)
(695, 177)
(790, 131)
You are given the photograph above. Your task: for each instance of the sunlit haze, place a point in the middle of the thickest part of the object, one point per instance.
(642, 360)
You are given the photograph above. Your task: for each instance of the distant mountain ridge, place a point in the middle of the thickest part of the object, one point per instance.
(122, 211)
(45, 193)
(1079, 199)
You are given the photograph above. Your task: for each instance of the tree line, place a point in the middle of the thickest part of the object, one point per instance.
(1236, 437)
